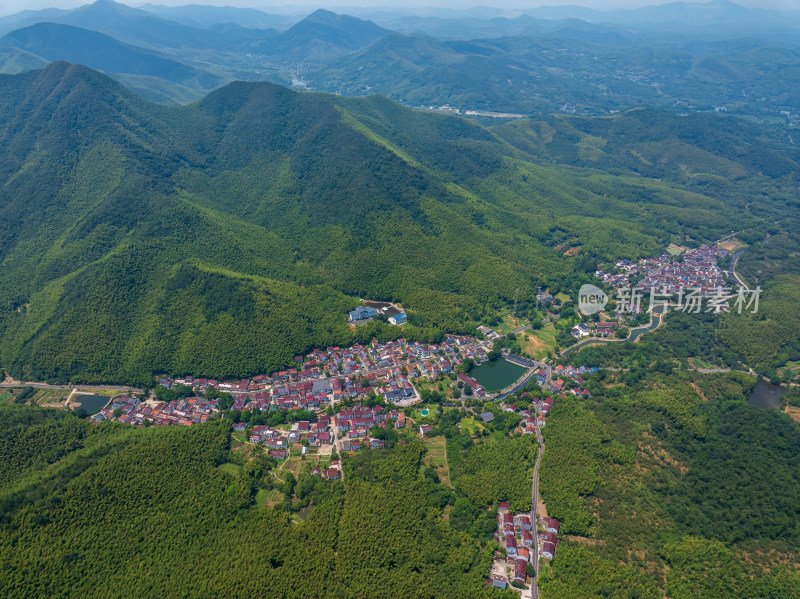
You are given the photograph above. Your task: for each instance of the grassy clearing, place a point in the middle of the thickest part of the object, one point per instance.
(472, 426)
(230, 468)
(675, 250)
(293, 464)
(304, 513)
(509, 323)
(437, 457)
(269, 498)
(96, 391)
(732, 244)
(51, 396)
(538, 343)
(262, 497)
(562, 297)
(446, 390)
(701, 363)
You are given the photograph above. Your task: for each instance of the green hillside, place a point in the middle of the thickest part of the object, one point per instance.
(224, 237)
(661, 493)
(92, 510)
(572, 71)
(52, 41)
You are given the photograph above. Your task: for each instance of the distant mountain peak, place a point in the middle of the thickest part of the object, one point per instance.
(323, 16)
(108, 5)
(323, 35)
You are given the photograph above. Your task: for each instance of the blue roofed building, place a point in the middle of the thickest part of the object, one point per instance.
(363, 313)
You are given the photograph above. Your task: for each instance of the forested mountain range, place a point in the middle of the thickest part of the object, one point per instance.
(224, 237)
(52, 41)
(543, 62)
(572, 72)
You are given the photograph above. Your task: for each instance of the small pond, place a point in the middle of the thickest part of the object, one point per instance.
(766, 395)
(497, 375)
(91, 403)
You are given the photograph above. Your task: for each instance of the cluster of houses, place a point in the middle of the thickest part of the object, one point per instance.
(184, 412)
(332, 472)
(515, 533)
(567, 380)
(697, 270)
(549, 539)
(664, 275)
(275, 441)
(355, 423)
(696, 273)
(305, 395)
(384, 368)
(315, 434)
(393, 384)
(557, 384)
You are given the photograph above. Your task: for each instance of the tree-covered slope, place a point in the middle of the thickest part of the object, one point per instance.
(574, 70)
(673, 486)
(223, 237)
(92, 510)
(53, 41)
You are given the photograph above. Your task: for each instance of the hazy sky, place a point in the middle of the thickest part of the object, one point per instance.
(11, 6)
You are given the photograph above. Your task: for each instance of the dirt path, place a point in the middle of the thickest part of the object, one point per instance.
(793, 412)
(700, 393)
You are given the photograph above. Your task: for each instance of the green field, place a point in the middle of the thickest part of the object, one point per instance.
(538, 343)
(230, 468)
(701, 363)
(471, 426)
(675, 250)
(510, 323)
(51, 396)
(437, 457)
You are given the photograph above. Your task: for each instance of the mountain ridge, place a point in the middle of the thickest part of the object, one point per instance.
(53, 41)
(224, 237)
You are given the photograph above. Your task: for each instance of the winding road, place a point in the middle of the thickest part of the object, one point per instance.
(735, 274)
(535, 489)
(656, 318)
(534, 509)
(120, 388)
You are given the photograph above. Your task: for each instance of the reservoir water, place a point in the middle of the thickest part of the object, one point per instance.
(496, 375)
(766, 395)
(92, 403)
